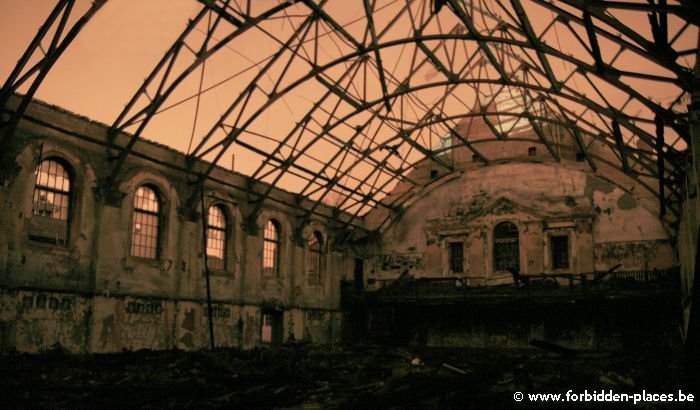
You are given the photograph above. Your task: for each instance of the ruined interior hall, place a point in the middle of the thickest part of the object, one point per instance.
(345, 204)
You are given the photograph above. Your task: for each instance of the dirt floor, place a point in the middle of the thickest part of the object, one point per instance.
(306, 377)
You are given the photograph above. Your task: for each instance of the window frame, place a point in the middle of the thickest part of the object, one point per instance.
(274, 270)
(224, 237)
(266, 328)
(271, 327)
(315, 256)
(451, 246)
(159, 222)
(503, 243)
(552, 239)
(69, 175)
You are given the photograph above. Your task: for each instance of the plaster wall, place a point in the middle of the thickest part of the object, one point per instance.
(606, 224)
(109, 300)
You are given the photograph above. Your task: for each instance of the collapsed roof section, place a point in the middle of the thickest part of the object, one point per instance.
(339, 101)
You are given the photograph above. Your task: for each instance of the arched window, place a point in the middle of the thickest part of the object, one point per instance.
(506, 248)
(271, 248)
(314, 258)
(51, 202)
(216, 237)
(145, 233)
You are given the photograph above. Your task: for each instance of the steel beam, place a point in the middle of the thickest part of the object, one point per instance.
(58, 45)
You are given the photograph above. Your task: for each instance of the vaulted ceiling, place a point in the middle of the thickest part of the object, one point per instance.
(339, 101)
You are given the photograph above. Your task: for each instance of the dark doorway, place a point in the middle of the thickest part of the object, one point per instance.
(272, 325)
(359, 275)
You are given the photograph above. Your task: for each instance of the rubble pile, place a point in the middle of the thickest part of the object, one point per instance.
(314, 377)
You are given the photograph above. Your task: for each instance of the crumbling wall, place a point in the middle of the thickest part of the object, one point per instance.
(32, 263)
(636, 255)
(38, 321)
(35, 321)
(606, 223)
(109, 300)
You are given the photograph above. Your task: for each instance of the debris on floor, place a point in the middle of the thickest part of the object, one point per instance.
(313, 377)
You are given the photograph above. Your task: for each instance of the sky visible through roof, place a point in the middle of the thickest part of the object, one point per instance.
(343, 101)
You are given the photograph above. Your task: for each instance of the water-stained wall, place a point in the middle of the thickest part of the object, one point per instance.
(606, 223)
(87, 292)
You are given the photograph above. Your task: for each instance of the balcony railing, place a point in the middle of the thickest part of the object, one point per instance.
(538, 287)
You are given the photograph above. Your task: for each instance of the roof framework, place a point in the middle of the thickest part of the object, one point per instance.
(361, 94)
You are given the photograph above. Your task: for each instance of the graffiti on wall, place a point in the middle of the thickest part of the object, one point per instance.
(402, 261)
(218, 311)
(42, 301)
(143, 334)
(315, 315)
(144, 308)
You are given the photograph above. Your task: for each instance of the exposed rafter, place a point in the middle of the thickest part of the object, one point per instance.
(345, 107)
(56, 24)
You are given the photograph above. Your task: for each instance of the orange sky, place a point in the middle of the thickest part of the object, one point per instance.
(108, 59)
(118, 48)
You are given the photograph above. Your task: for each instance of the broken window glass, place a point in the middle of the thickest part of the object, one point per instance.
(51, 202)
(271, 246)
(145, 232)
(456, 256)
(216, 237)
(560, 251)
(506, 247)
(313, 259)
